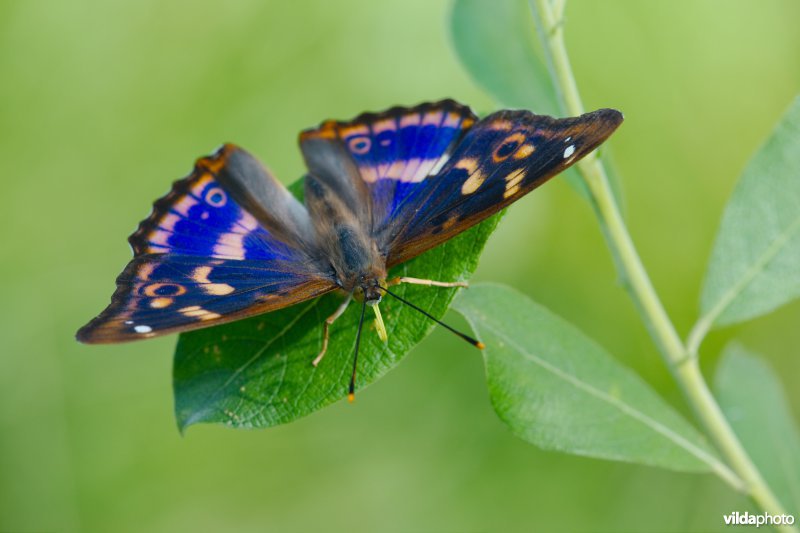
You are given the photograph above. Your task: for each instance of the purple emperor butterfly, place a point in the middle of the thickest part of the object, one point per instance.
(229, 241)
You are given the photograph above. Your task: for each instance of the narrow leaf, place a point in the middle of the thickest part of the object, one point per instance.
(258, 373)
(755, 263)
(559, 390)
(753, 400)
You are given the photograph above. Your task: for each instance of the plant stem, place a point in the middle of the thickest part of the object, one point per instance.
(684, 368)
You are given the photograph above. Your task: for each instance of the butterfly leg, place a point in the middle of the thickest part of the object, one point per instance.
(326, 328)
(427, 282)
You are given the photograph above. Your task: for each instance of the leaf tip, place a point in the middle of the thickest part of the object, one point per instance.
(182, 427)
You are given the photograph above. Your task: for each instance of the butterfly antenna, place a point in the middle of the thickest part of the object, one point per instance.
(351, 392)
(476, 343)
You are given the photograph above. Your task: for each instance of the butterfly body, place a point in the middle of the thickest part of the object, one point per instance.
(346, 242)
(229, 241)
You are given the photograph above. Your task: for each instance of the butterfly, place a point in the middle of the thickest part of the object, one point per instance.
(229, 241)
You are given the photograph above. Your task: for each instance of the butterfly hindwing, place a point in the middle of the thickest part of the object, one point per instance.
(200, 258)
(379, 159)
(500, 159)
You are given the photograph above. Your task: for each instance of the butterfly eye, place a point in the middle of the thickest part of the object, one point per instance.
(359, 145)
(163, 289)
(216, 197)
(507, 147)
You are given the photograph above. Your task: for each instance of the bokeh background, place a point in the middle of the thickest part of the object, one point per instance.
(103, 104)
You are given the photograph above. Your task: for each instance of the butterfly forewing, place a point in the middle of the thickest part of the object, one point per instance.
(500, 159)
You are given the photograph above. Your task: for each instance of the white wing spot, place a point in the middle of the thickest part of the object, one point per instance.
(569, 151)
(142, 329)
(568, 139)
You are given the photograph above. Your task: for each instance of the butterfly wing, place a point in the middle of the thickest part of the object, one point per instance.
(202, 259)
(500, 159)
(418, 176)
(375, 161)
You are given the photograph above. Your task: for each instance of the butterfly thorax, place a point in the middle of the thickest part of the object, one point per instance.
(344, 237)
(359, 266)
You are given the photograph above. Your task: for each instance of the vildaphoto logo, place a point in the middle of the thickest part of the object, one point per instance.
(765, 519)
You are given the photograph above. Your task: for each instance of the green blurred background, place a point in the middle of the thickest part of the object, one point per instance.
(103, 104)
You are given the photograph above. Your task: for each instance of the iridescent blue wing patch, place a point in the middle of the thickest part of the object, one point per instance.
(500, 159)
(200, 258)
(200, 217)
(381, 158)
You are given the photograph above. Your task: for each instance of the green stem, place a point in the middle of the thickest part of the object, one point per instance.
(684, 368)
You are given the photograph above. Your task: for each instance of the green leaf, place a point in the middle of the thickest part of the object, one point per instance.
(257, 372)
(755, 264)
(753, 400)
(496, 44)
(559, 390)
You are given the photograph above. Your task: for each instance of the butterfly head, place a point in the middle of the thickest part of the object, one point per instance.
(369, 288)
